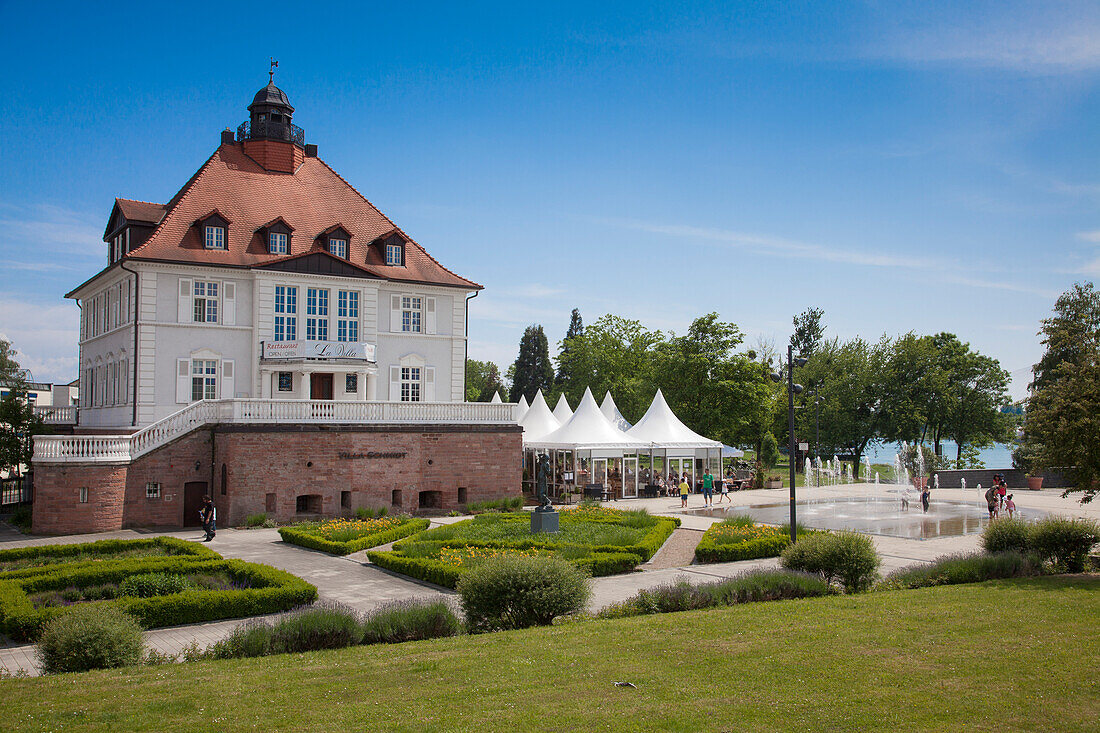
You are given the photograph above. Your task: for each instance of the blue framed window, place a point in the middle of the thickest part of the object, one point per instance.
(286, 313)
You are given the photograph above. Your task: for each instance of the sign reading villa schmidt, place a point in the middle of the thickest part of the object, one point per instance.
(349, 456)
(317, 350)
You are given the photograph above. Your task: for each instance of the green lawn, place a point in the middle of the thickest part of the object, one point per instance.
(1007, 655)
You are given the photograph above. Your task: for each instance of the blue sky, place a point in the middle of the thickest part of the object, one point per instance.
(905, 166)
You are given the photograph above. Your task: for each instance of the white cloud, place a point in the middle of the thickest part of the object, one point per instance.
(1024, 36)
(45, 337)
(1093, 236)
(52, 228)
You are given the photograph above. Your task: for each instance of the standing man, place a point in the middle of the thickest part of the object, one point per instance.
(209, 515)
(708, 488)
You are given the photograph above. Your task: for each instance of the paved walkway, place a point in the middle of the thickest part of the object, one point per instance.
(353, 581)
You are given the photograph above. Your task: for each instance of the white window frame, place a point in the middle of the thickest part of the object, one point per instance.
(204, 379)
(395, 255)
(411, 384)
(152, 490)
(317, 314)
(412, 314)
(286, 313)
(214, 237)
(338, 247)
(278, 243)
(205, 301)
(347, 315)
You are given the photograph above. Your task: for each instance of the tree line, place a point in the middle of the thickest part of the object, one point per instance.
(913, 388)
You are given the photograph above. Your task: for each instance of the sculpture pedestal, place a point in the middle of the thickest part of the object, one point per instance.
(544, 522)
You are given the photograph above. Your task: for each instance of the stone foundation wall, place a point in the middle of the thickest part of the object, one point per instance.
(266, 468)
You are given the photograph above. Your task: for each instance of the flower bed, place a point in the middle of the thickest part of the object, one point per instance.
(23, 562)
(345, 536)
(249, 589)
(599, 541)
(739, 538)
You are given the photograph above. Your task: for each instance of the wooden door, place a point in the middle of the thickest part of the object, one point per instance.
(320, 386)
(193, 493)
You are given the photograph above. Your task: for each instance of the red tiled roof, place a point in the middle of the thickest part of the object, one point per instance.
(141, 210)
(313, 199)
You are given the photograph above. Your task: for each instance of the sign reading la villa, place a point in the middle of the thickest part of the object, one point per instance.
(317, 350)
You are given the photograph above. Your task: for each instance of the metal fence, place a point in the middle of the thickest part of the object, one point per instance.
(15, 491)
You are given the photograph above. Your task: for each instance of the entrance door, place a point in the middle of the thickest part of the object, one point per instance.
(630, 477)
(320, 386)
(599, 472)
(193, 492)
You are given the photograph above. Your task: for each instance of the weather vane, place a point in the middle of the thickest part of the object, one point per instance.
(271, 71)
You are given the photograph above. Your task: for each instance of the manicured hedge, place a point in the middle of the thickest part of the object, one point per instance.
(710, 551)
(422, 568)
(271, 590)
(179, 549)
(306, 538)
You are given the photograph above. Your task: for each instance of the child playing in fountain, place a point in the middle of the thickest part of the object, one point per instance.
(1010, 506)
(906, 495)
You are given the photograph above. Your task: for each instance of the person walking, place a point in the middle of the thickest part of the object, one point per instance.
(1010, 506)
(708, 489)
(209, 516)
(684, 488)
(725, 492)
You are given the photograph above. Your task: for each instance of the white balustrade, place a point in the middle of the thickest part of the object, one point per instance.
(59, 415)
(112, 448)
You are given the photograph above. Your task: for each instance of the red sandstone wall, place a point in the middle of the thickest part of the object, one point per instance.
(486, 463)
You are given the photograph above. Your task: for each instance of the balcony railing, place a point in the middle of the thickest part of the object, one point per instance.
(123, 448)
(59, 415)
(268, 130)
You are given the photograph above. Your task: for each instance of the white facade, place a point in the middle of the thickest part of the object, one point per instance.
(200, 332)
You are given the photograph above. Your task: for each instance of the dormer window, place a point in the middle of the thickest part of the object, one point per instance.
(395, 254)
(214, 237)
(278, 234)
(278, 243)
(338, 247)
(214, 231)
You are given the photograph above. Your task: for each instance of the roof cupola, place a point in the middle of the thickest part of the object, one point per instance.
(269, 137)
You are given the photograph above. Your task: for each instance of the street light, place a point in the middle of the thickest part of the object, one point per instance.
(792, 390)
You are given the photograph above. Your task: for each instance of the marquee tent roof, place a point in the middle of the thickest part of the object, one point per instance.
(588, 429)
(611, 411)
(562, 411)
(538, 421)
(660, 427)
(521, 408)
(496, 398)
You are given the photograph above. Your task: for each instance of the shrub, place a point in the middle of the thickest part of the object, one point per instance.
(256, 520)
(963, 568)
(251, 639)
(366, 512)
(510, 504)
(327, 625)
(92, 636)
(1008, 534)
(1065, 542)
(845, 557)
(148, 585)
(740, 538)
(21, 562)
(413, 620)
(749, 587)
(21, 518)
(518, 592)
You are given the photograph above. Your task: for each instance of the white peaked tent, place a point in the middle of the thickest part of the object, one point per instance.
(588, 429)
(521, 408)
(588, 452)
(660, 427)
(611, 411)
(496, 398)
(538, 421)
(562, 411)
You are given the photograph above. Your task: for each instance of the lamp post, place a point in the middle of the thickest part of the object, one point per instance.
(792, 390)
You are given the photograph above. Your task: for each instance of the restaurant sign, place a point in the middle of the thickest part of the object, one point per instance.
(317, 350)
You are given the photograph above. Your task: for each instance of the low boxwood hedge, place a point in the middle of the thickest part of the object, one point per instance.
(270, 590)
(306, 538)
(594, 562)
(177, 549)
